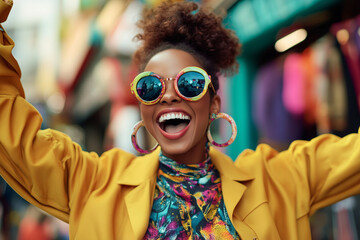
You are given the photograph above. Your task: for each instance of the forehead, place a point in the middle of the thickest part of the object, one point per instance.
(170, 62)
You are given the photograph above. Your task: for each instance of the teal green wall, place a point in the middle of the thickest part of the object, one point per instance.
(256, 23)
(240, 91)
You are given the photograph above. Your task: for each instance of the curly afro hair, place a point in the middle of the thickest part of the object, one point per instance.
(186, 26)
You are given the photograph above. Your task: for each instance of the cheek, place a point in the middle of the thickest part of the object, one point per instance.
(143, 111)
(203, 118)
(202, 111)
(146, 115)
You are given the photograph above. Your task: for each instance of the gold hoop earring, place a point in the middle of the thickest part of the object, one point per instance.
(134, 140)
(228, 118)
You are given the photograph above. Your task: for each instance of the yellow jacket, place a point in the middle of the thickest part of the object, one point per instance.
(268, 195)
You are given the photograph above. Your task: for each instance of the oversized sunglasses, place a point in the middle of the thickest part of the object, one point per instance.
(190, 84)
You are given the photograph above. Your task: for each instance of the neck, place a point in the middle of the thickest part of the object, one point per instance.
(197, 154)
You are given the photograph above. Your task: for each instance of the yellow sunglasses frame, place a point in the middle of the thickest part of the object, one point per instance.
(185, 70)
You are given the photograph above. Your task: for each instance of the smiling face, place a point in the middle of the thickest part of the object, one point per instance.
(179, 126)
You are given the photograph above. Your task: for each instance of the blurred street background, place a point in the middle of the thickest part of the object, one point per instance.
(299, 77)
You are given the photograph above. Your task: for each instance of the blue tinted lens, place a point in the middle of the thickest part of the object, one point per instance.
(191, 84)
(149, 88)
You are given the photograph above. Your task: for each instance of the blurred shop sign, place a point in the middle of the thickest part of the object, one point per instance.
(252, 19)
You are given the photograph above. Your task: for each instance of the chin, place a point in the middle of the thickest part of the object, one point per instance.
(185, 150)
(175, 149)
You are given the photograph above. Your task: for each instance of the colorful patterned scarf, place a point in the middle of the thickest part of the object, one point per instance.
(188, 203)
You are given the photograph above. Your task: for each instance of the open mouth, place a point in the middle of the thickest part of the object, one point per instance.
(173, 122)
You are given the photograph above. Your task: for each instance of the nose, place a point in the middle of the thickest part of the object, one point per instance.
(170, 95)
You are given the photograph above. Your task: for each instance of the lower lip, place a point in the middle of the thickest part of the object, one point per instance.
(173, 136)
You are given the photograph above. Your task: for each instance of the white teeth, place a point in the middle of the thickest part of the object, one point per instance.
(170, 116)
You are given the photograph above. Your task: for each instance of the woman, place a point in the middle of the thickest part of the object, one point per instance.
(184, 189)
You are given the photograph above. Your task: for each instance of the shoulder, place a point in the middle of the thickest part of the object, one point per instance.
(120, 164)
(269, 167)
(253, 159)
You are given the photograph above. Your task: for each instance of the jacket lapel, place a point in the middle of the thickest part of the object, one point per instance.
(139, 204)
(232, 179)
(140, 180)
(232, 193)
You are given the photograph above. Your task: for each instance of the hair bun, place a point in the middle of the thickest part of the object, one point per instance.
(188, 23)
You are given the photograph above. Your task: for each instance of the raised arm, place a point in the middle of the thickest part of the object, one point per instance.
(9, 69)
(44, 166)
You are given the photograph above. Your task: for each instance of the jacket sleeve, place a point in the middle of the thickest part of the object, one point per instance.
(307, 176)
(328, 166)
(44, 166)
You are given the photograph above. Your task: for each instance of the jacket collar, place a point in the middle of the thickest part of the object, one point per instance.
(140, 169)
(145, 167)
(226, 167)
